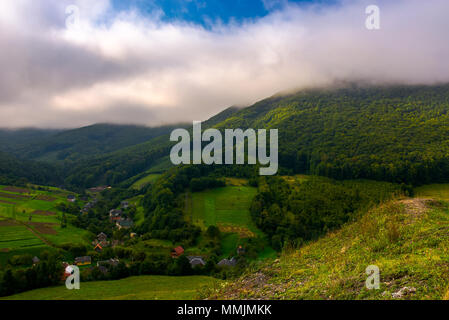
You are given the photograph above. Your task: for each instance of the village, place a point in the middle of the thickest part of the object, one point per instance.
(121, 221)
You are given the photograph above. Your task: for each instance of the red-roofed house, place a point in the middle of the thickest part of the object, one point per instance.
(176, 252)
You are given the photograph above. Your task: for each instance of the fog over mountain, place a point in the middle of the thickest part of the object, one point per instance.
(124, 66)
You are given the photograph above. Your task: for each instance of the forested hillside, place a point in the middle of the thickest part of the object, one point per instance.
(295, 210)
(76, 144)
(18, 172)
(395, 133)
(398, 134)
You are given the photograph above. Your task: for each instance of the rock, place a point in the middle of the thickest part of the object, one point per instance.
(403, 292)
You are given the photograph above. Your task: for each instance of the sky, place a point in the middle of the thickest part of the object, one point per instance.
(71, 63)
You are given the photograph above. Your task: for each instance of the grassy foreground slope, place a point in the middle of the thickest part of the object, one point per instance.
(408, 240)
(134, 288)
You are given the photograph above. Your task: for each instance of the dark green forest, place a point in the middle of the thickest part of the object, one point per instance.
(396, 133)
(295, 212)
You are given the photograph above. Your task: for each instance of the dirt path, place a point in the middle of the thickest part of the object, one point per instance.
(416, 206)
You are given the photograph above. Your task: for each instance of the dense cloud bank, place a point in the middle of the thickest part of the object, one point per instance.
(124, 67)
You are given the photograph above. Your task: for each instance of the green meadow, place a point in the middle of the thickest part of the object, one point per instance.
(227, 208)
(224, 207)
(438, 191)
(133, 288)
(139, 184)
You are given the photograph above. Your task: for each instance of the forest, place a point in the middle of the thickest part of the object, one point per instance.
(392, 133)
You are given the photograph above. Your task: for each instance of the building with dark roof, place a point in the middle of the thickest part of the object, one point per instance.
(82, 261)
(196, 261)
(124, 223)
(227, 262)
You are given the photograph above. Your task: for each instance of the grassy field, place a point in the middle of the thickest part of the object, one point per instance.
(133, 288)
(29, 219)
(407, 239)
(139, 184)
(227, 208)
(439, 191)
(16, 236)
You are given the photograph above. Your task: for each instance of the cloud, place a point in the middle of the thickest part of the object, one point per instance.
(274, 4)
(124, 67)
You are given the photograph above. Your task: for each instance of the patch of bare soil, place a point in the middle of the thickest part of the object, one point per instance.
(17, 190)
(13, 196)
(6, 202)
(43, 227)
(241, 231)
(417, 206)
(43, 213)
(7, 223)
(45, 198)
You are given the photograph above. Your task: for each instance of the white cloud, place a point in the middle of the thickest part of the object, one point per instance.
(128, 68)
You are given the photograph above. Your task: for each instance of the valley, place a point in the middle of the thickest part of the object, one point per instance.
(362, 180)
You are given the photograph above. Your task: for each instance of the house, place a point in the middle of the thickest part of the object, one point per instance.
(87, 207)
(98, 248)
(98, 189)
(83, 261)
(71, 198)
(102, 237)
(35, 260)
(115, 215)
(240, 250)
(124, 223)
(124, 204)
(227, 262)
(196, 261)
(178, 251)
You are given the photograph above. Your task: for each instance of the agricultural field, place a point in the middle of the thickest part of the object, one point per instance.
(228, 209)
(14, 235)
(133, 288)
(30, 221)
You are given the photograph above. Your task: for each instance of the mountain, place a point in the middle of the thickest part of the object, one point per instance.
(389, 133)
(394, 133)
(14, 171)
(12, 140)
(76, 144)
